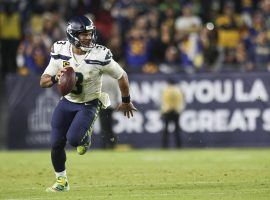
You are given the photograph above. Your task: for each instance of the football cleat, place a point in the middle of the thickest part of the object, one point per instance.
(82, 149)
(61, 185)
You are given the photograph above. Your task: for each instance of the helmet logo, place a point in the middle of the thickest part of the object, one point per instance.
(88, 27)
(69, 28)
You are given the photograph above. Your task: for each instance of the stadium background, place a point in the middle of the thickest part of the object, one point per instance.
(217, 51)
(220, 61)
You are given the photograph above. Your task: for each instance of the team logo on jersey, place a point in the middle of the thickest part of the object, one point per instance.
(108, 55)
(65, 63)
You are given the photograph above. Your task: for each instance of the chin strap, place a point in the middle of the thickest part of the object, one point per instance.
(86, 49)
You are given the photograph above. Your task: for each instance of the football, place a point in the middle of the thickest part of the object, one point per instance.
(67, 81)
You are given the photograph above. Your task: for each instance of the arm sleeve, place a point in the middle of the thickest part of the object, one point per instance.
(113, 69)
(52, 68)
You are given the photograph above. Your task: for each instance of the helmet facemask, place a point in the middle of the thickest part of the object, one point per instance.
(88, 45)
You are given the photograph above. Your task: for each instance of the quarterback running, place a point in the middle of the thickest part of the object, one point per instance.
(76, 112)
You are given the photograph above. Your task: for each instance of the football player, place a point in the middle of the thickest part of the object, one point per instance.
(75, 114)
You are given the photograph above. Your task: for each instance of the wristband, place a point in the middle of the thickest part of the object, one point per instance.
(53, 79)
(126, 99)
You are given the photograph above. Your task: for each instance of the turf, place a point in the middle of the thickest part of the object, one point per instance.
(146, 174)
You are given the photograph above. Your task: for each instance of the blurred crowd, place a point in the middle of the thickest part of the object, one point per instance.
(153, 36)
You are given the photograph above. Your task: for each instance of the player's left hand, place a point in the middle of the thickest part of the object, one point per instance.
(127, 109)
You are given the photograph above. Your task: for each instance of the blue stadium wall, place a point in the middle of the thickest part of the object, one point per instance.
(221, 110)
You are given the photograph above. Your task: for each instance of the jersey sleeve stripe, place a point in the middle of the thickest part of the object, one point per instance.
(97, 62)
(59, 56)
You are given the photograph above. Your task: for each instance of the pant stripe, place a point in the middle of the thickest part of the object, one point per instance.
(90, 130)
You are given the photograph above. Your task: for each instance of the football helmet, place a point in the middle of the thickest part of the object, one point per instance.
(77, 25)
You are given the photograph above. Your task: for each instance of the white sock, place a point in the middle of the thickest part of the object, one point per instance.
(63, 173)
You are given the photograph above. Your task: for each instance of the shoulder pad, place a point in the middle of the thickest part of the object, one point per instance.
(60, 50)
(58, 46)
(99, 55)
(103, 53)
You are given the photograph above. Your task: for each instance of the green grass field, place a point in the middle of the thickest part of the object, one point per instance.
(146, 174)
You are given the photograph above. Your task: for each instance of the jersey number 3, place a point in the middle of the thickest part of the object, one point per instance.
(78, 85)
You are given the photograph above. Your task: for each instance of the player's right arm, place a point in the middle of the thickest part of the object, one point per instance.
(47, 80)
(52, 72)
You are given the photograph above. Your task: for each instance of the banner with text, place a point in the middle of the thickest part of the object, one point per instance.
(221, 110)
